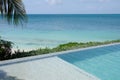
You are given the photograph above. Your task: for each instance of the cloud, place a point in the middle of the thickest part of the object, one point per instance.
(54, 2)
(94, 0)
(104, 0)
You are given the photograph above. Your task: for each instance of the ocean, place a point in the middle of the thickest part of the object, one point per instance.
(50, 30)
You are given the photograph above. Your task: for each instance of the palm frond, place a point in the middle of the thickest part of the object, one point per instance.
(13, 11)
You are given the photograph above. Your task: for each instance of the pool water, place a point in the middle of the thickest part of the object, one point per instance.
(103, 62)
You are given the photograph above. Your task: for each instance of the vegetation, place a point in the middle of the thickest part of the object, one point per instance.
(5, 49)
(62, 47)
(6, 46)
(13, 11)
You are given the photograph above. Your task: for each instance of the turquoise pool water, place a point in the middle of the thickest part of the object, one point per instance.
(102, 62)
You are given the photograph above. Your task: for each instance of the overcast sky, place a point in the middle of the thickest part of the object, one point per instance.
(72, 6)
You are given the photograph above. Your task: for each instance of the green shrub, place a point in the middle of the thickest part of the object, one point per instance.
(5, 49)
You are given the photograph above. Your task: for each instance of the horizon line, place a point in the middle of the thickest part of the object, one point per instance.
(75, 14)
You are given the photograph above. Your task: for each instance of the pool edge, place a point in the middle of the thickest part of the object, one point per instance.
(37, 57)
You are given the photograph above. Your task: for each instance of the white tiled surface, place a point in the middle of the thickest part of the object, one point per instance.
(52, 68)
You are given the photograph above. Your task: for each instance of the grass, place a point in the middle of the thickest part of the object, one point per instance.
(62, 47)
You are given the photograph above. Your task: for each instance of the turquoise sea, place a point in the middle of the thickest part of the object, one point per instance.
(50, 30)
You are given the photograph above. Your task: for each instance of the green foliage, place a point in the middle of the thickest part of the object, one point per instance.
(13, 11)
(67, 46)
(71, 46)
(19, 54)
(62, 47)
(5, 49)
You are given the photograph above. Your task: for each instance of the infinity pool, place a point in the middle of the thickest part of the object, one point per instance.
(103, 62)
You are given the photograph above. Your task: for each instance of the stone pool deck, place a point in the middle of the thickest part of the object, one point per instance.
(52, 68)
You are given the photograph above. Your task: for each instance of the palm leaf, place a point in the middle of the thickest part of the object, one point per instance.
(13, 11)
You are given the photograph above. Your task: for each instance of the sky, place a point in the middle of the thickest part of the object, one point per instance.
(72, 6)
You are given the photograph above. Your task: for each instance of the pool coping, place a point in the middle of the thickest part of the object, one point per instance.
(37, 57)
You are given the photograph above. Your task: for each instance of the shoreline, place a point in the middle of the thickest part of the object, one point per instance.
(43, 47)
(36, 57)
(70, 46)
